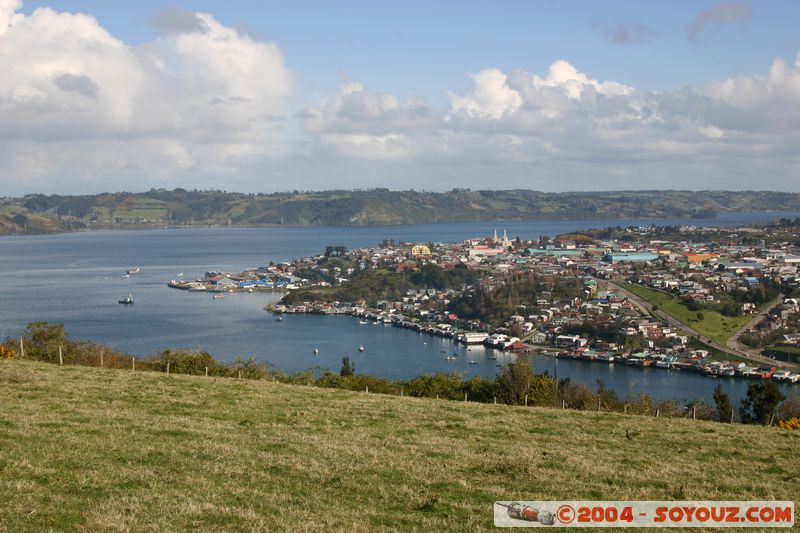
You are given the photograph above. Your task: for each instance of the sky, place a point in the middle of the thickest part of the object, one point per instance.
(269, 96)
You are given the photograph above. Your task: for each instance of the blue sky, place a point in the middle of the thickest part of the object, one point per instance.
(538, 94)
(428, 46)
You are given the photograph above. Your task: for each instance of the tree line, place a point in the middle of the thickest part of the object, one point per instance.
(515, 384)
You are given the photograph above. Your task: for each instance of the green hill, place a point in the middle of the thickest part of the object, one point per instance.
(109, 450)
(37, 213)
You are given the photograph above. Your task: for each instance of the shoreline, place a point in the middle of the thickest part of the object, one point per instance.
(510, 220)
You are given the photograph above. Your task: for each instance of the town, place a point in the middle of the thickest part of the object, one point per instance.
(717, 300)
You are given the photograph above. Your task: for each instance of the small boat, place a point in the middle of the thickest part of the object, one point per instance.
(449, 358)
(132, 271)
(363, 321)
(218, 296)
(128, 300)
(278, 318)
(180, 274)
(473, 362)
(316, 351)
(361, 348)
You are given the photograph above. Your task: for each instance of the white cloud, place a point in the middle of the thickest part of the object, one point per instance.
(204, 105)
(180, 101)
(490, 96)
(568, 130)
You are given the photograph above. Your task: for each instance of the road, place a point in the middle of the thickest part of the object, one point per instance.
(661, 314)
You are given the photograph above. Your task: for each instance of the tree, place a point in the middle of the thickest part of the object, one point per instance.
(723, 403)
(700, 316)
(515, 381)
(758, 407)
(348, 369)
(43, 339)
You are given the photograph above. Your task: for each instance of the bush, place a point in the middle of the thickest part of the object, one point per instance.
(185, 362)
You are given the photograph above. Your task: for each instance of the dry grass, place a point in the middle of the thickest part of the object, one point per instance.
(111, 450)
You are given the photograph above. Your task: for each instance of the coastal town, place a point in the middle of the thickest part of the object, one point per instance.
(721, 301)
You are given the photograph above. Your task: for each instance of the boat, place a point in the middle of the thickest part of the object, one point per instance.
(278, 318)
(361, 348)
(363, 322)
(473, 362)
(449, 358)
(128, 300)
(316, 351)
(218, 296)
(132, 271)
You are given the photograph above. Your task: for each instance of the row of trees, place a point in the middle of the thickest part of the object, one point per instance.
(515, 384)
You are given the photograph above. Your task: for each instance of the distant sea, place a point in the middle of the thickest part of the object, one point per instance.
(77, 278)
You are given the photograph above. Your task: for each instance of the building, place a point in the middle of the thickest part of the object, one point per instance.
(420, 249)
(632, 257)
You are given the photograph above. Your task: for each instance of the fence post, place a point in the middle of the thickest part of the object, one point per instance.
(526, 400)
(21, 347)
(598, 404)
(401, 392)
(366, 388)
(732, 417)
(206, 371)
(101, 358)
(495, 400)
(240, 374)
(658, 412)
(563, 403)
(60, 356)
(167, 367)
(465, 396)
(625, 408)
(133, 363)
(694, 413)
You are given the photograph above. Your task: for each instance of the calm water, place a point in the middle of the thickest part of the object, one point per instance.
(76, 279)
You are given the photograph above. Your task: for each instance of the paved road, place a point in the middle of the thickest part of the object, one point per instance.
(661, 314)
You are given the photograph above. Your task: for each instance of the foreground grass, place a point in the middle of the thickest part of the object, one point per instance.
(714, 325)
(108, 450)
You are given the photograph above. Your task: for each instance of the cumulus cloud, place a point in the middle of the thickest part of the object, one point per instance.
(78, 84)
(205, 105)
(718, 14)
(198, 97)
(565, 129)
(176, 20)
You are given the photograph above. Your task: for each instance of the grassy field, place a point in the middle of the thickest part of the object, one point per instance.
(109, 450)
(714, 325)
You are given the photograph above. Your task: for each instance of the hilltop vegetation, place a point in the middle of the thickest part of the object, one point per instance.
(105, 450)
(40, 213)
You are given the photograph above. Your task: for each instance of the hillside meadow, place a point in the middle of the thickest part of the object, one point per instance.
(110, 450)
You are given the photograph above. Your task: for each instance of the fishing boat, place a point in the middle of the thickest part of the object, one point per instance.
(128, 300)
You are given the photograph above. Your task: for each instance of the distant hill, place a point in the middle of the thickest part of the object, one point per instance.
(157, 208)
